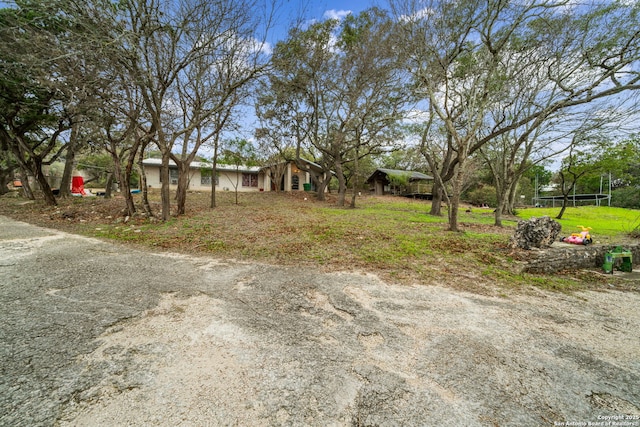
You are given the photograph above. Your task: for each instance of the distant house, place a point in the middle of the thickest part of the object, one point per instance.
(227, 177)
(394, 181)
(290, 176)
(247, 178)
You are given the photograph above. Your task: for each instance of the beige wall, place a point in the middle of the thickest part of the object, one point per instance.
(226, 180)
(153, 176)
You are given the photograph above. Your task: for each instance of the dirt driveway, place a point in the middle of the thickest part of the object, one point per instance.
(97, 334)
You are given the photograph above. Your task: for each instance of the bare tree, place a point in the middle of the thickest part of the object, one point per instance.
(175, 53)
(458, 53)
(574, 166)
(238, 153)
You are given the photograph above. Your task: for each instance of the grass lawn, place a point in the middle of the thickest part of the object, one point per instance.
(609, 225)
(389, 236)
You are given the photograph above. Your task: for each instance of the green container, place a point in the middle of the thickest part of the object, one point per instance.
(625, 256)
(307, 186)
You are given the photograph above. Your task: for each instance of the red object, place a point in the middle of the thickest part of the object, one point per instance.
(77, 185)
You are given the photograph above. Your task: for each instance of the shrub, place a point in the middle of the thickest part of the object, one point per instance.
(628, 197)
(485, 195)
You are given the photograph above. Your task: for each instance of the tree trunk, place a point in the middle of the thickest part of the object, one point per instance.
(355, 180)
(438, 190)
(237, 183)
(436, 201)
(353, 197)
(6, 174)
(500, 202)
(165, 193)
(453, 212)
(27, 192)
(501, 197)
(342, 182)
(565, 193)
(47, 193)
(108, 185)
(322, 186)
(510, 206)
(125, 180)
(183, 184)
(454, 198)
(117, 169)
(565, 201)
(70, 160)
(125, 190)
(65, 182)
(322, 183)
(213, 173)
(144, 188)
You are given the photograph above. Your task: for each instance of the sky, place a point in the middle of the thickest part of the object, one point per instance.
(322, 9)
(319, 10)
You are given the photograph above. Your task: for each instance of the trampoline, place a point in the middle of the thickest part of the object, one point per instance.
(572, 199)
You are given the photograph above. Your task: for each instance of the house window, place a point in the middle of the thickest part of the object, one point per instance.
(295, 182)
(249, 180)
(205, 177)
(173, 176)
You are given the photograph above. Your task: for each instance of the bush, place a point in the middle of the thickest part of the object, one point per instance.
(628, 197)
(485, 195)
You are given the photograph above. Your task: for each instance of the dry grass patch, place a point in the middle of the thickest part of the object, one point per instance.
(392, 237)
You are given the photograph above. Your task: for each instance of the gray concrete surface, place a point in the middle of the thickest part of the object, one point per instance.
(94, 333)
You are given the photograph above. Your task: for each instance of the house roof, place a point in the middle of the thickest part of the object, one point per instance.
(309, 162)
(413, 175)
(205, 165)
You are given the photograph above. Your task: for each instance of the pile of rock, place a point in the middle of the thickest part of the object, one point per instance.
(535, 233)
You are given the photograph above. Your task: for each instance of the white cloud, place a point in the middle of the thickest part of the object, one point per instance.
(336, 14)
(263, 47)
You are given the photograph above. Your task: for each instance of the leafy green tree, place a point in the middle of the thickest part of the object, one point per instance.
(404, 158)
(615, 160)
(337, 88)
(31, 115)
(47, 93)
(399, 181)
(291, 101)
(538, 173)
(467, 58)
(482, 195)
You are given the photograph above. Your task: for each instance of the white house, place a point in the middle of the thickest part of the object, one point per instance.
(246, 178)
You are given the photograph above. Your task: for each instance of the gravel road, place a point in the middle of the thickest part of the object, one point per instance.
(98, 334)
